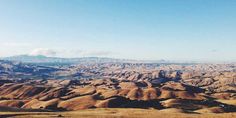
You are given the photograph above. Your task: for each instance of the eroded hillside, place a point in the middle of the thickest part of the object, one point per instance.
(200, 88)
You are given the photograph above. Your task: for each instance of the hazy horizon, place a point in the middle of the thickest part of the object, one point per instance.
(184, 30)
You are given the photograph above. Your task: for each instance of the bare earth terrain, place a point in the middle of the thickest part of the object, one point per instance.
(118, 90)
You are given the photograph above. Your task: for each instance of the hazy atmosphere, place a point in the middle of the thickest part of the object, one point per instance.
(117, 59)
(133, 29)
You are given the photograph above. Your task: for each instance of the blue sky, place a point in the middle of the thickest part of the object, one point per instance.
(133, 29)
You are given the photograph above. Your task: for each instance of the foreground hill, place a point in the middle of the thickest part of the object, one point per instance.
(115, 113)
(68, 95)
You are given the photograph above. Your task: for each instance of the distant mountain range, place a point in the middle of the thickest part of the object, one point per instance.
(58, 60)
(45, 59)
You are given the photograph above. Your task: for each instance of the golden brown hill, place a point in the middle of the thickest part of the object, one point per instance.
(78, 103)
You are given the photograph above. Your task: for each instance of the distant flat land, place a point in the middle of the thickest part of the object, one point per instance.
(115, 113)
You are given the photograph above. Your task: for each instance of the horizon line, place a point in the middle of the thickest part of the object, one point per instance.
(129, 59)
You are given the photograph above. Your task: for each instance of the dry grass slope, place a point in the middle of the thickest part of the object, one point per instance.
(116, 113)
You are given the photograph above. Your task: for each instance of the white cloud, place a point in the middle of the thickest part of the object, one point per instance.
(43, 51)
(83, 53)
(214, 50)
(95, 53)
(69, 53)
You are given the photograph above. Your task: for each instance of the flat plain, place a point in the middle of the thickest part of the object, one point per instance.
(115, 113)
